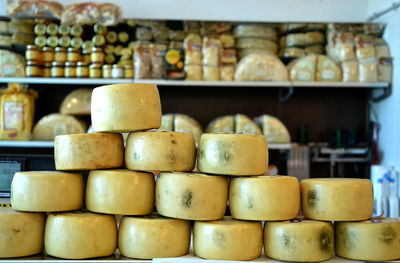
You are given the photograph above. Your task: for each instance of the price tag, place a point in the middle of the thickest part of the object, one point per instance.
(8, 167)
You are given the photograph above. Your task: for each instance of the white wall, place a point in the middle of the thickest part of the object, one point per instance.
(388, 111)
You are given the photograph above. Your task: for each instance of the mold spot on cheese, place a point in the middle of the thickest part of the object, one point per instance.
(218, 238)
(312, 198)
(224, 156)
(250, 202)
(287, 240)
(388, 235)
(136, 156)
(348, 238)
(325, 241)
(173, 141)
(187, 198)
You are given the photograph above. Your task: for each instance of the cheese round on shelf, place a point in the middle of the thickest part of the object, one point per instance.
(191, 196)
(337, 199)
(46, 191)
(264, 198)
(120, 192)
(299, 240)
(244, 124)
(21, 233)
(153, 237)
(88, 151)
(126, 108)
(376, 239)
(80, 235)
(181, 123)
(273, 129)
(77, 102)
(232, 154)
(238, 123)
(303, 69)
(227, 239)
(160, 151)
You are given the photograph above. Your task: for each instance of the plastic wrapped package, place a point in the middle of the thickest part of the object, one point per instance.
(374, 29)
(174, 63)
(227, 41)
(5, 41)
(257, 43)
(255, 30)
(292, 52)
(315, 49)
(144, 33)
(385, 69)
(259, 66)
(193, 72)
(228, 56)
(192, 45)
(365, 47)
(303, 69)
(106, 14)
(273, 129)
(291, 27)
(11, 64)
(350, 71)
(191, 26)
(211, 52)
(142, 61)
(210, 73)
(17, 109)
(49, 126)
(175, 44)
(327, 69)
(246, 51)
(32, 8)
(368, 71)
(157, 61)
(77, 102)
(160, 33)
(176, 35)
(20, 26)
(344, 46)
(227, 72)
(211, 28)
(294, 39)
(381, 48)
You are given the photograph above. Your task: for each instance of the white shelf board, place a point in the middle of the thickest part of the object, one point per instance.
(279, 146)
(27, 144)
(160, 82)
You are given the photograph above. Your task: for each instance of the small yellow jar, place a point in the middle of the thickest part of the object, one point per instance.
(32, 53)
(117, 72)
(95, 70)
(46, 70)
(128, 72)
(107, 71)
(48, 54)
(57, 69)
(86, 56)
(82, 70)
(74, 55)
(109, 59)
(97, 55)
(61, 55)
(70, 70)
(33, 69)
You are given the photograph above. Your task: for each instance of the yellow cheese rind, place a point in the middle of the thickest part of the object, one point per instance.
(232, 154)
(88, 151)
(77, 102)
(46, 191)
(80, 235)
(336, 199)
(153, 237)
(264, 198)
(299, 240)
(375, 239)
(21, 234)
(227, 239)
(120, 192)
(126, 108)
(160, 151)
(191, 196)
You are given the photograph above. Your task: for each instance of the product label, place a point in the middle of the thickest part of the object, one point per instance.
(13, 116)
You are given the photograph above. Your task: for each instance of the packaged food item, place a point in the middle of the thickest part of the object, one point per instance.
(142, 61)
(31, 8)
(143, 33)
(259, 66)
(193, 72)
(128, 72)
(157, 61)
(273, 129)
(344, 46)
(117, 72)
(255, 30)
(5, 41)
(11, 64)
(327, 69)
(365, 47)
(315, 49)
(107, 71)
(303, 69)
(46, 70)
(368, 71)
(385, 69)
(95, 71)
(49, 126)
(228, 56)
(381, 48)
(160, 33)
(210, 73)
(246, 51)
(61, 54)
(212, 28)
(211, 51)
(33, 69)
(17, 109)
(227, 40)
(105, 14)
(82, 69)
(350, 71)
(57, 69)
(176, 35)
(192, 45)
(292, 27)
(226, 72)
(191, 26)
(314, 38)
(174, 63)
(292, 52)
(257, 43)
(20, 26)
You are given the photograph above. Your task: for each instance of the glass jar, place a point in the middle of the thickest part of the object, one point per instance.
(117, 72)
(76, 30)
(86, 56)
(70, 69)
(64, 41)
(98, 40)
(107, 71)
(109, 59)
(97, 55)
(46, 70)
(82, 70)
(99, 29)
(40, 41)
(60, 55)
(40, 29)
(128, 72)
(52, 41)
(33, 69)
(112, 37)
(52, 29)
(74, 55)
(87, 46)
(76, 42)
(32, 53)
(95, 70)
(48, 54)
(57, 69)
(64, 30)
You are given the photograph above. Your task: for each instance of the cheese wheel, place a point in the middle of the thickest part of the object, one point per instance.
(77, 102)
(153, 237)
(264, 198)
(80, 235)
(44, 191)
(227, 239)
(337, 199)
(121, 192)
(88, 151)
(125, 108)
(375, 239)
(191, 196)
(21, 234)
(160, 151)
(299, 240)
(232, 154)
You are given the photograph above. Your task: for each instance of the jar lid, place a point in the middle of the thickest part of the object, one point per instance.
(30, 47)
(97, 49)
(116, 66)
(70, 64)
(82, 64)
(57, 64)
(106, 66)
(47, 49)
(60, 49)
(32, 63)
(71, 49)
(95, 65)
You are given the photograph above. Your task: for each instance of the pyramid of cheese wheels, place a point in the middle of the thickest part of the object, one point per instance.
(154, 171)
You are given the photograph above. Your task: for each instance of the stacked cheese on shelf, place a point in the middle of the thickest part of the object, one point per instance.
(181, 195)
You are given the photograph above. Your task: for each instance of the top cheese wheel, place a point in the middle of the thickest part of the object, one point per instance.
(125, 108)
(21, 234)
(337, 199)
(375, 239)
(88, 151)
(232, 154)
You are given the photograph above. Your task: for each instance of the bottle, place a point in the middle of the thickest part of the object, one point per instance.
(33, 69)
(82, 70)
(61, 55)
(111, 37)
(48, 54)
(64, 30)
(52, 41)
(393, 199)
(64, 41)
(52, 29)
(32, 53)
(76, 30)
(40, 29)
(57, 69)
(70, 70)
